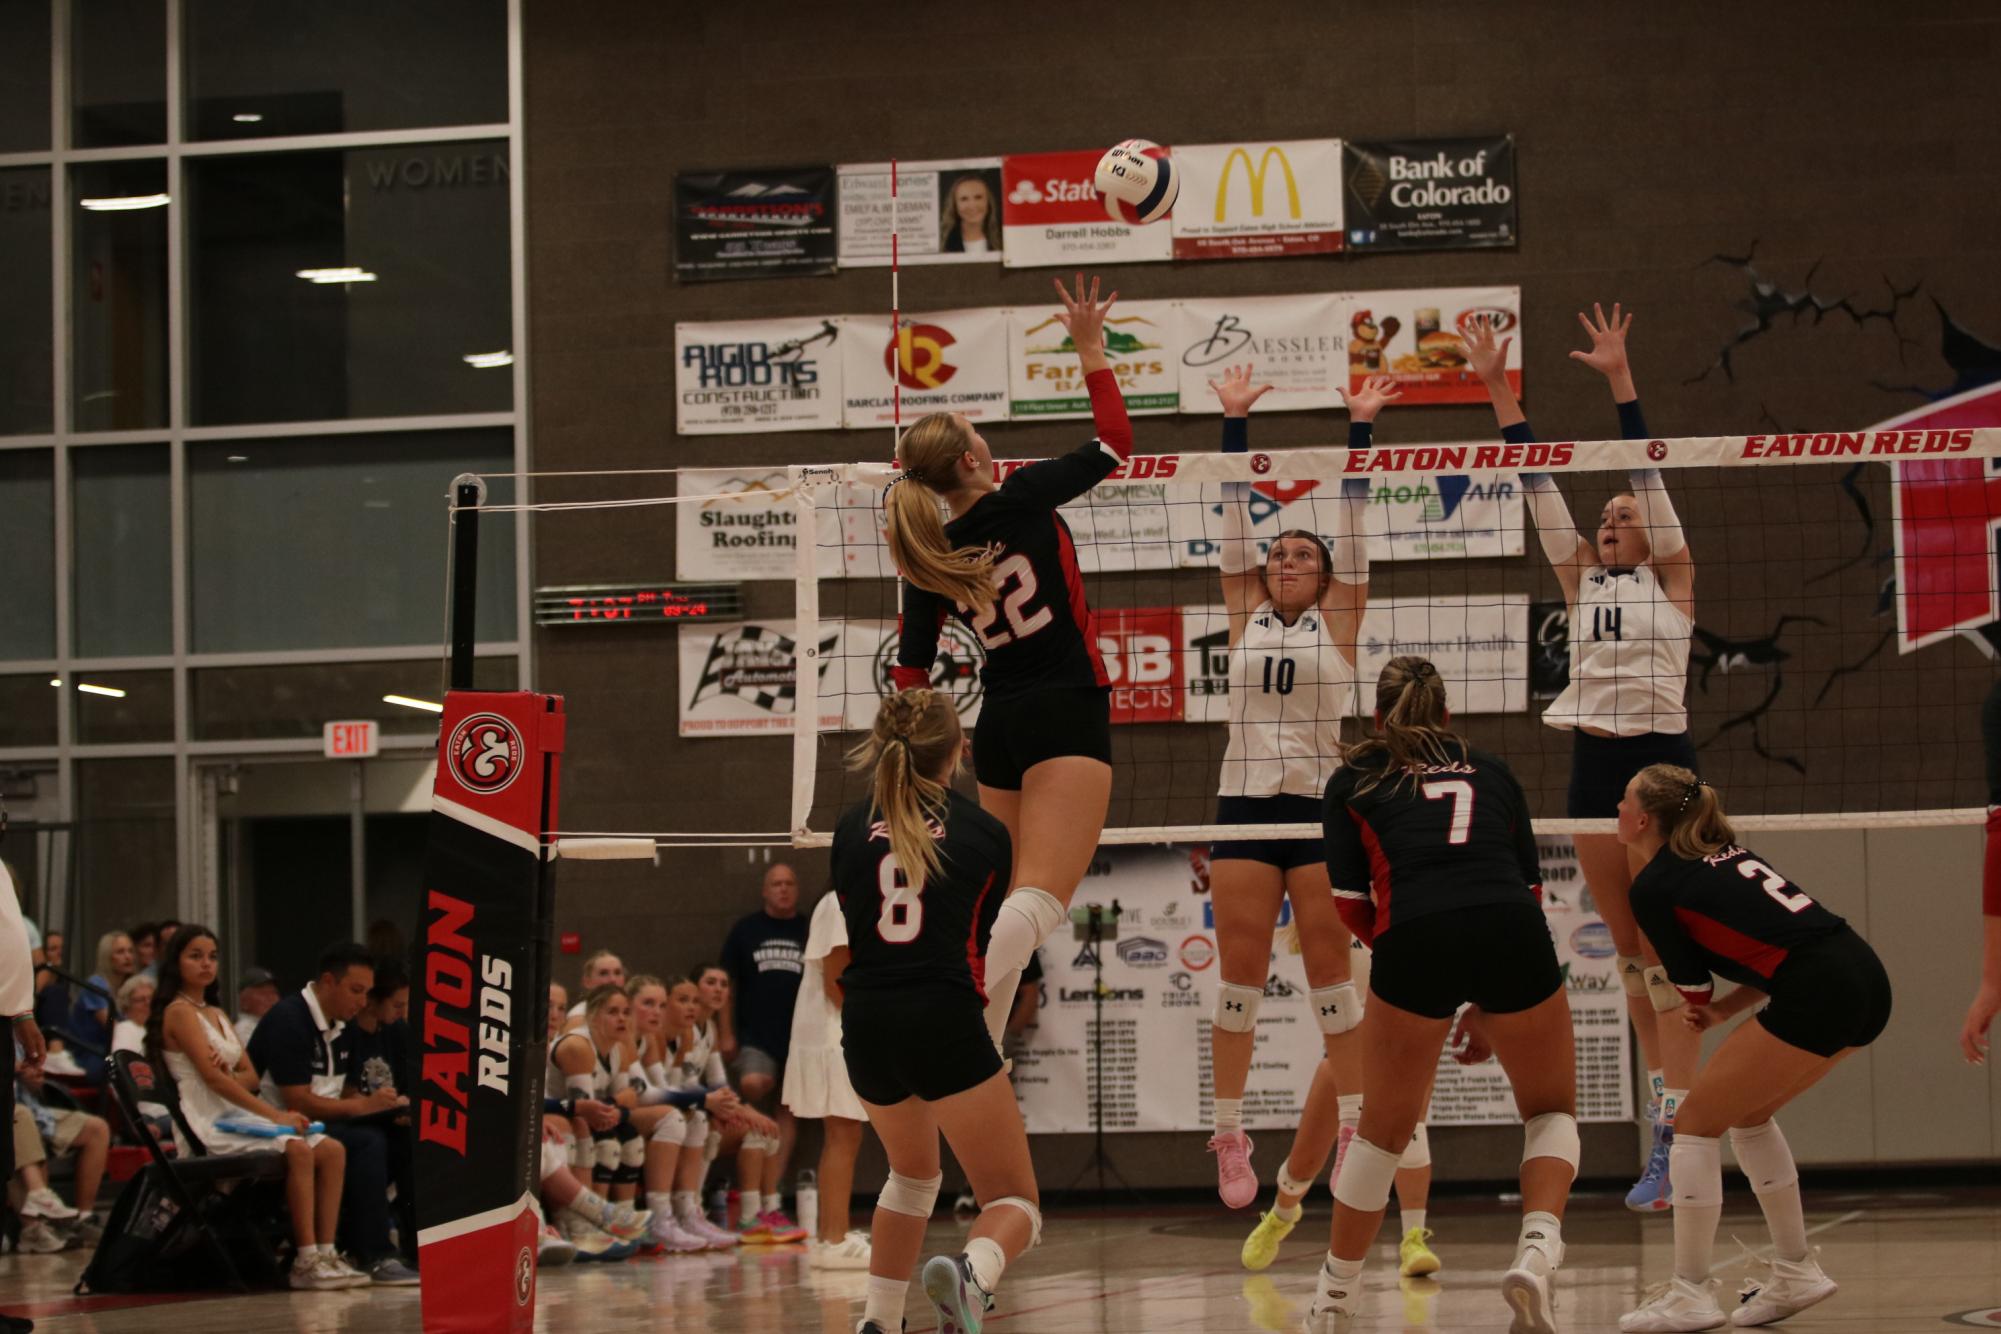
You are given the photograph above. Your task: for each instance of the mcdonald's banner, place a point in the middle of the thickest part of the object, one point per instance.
(948, 361)
(1252, 200)
(1044, 379)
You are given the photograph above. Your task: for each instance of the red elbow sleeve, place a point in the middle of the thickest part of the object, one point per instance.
(1108, 412)
(1990, 880)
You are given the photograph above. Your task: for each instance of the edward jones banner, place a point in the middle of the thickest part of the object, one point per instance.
(1248, 201)
(1297, 344)
(1416, 336)
(1431, 194)
(753, 224)
(1052, 215)
(944, 212)
(950, 361)
(1043, 376)
(757, 375)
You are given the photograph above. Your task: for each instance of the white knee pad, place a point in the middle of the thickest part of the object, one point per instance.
(1766, 1158)
(1338, 1008)
(583, 1153)
(632, 1151)
(1026, 1206)
(555, 1157)
(1417, 1153)
(1695, 1166)
(697, 1134)
(1290, 1185)
(1367, 1174)
(1028, 917)
(910, 1197)
(712, 1146)
(1662, 992)
(604, 1155)
(673, 1127)
(1237, 1007)
(761, 1141)
(1552, 1135)
(1632, 975)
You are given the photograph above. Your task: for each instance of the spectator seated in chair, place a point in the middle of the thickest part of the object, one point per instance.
(256, 993)
(67, 1132)
(90, 1019)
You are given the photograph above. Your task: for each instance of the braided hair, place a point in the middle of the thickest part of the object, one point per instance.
(916, 734)
(1687, 811)
(1412, 731)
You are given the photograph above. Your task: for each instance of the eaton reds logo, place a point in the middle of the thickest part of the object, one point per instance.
(485, 753)
(1657, 450)
(916, 357)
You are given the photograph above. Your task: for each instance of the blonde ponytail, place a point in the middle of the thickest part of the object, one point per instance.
(929, 453)
(916, 734)
(1411, 703)
(1686, 810)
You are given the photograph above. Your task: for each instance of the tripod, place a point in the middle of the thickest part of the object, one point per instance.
(1095, 925)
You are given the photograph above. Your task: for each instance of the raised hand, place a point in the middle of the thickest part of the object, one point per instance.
(1608, 340)
(1083, 315)
(1488, 358)
(1376, 392)
(1236, 392)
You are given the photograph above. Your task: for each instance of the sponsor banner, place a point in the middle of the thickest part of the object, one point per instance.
(1249, 201)
(1161, 984)
(1141, 649)
(950, 361)
(1296, 344)
(753, 224)
(942, 212)
(1431, 194)
(1051, 215)
(742, 678)
(744, 529)
(1418, 518)
(1043, 376)
(1416, 337)
(757, 375)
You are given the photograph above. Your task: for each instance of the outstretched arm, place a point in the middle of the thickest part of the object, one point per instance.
(1569, 554)
(1672, 561)
(1238, 557)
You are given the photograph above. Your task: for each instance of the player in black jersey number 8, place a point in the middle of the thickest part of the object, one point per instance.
(1711, 906)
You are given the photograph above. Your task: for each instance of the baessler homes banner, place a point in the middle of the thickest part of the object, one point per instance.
(1252, 200)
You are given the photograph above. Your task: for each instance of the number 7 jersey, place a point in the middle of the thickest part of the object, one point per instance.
(933, 933)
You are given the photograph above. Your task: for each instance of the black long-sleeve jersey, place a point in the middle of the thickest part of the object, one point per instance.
(930, 934)
(1730, 914)
(1453, 835)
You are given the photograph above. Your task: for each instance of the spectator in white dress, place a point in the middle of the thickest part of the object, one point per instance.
(816, 1086)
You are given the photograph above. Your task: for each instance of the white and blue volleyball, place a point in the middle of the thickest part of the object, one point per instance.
(1137, 180)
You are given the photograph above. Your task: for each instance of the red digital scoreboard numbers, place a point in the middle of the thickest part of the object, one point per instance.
(637, 604)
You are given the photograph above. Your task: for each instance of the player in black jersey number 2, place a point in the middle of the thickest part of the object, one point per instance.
(1434, 864)
(1710, 906)
(921, 871)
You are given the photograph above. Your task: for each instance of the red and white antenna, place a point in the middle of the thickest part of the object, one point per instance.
(895, 323)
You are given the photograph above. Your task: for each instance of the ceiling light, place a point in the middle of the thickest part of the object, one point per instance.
(488, 360)
(346, 274)
(123, 203)
(426, 705)
(238, 458)
(55, 681)
(111, 692)
(247, 117)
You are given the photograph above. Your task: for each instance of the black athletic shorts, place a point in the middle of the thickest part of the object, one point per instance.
(1601, 766)
(1284, 853)
(1829, 996)
(1497, 956)
(922, 1042)
(1017, 732)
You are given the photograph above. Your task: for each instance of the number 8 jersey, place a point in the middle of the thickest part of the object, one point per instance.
(930, 934)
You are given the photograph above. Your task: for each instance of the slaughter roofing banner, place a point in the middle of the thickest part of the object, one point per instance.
(753, 224)
(1297, 344)
(757, 375)
(1431, 194)
(1417, 337)
(948, 361)
(945, 212)
(1050, 214)
(1250, 201)
(1044, 379)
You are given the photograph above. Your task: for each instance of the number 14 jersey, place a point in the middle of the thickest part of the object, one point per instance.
(929, 934)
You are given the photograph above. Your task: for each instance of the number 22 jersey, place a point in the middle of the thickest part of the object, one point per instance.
(932, 934)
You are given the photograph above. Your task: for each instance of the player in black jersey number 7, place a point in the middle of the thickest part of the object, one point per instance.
(1710, 906)
(920, 871)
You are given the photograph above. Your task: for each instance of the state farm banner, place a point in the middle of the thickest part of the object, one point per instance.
(1161, 977)
(1297, 344)
(1044, 379)
(1253, 200)
(950, 361)
(1417, 337)
(744, 528)
(743, 678)
(757, 375)
(1050, 214)
(774, 223)
(1431, 194)
(942, 212)
(1415, 518)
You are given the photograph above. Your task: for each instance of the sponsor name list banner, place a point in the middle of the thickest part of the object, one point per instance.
(1045, 381)
(950, 361)
(941, 212)
(1250, 201)
(1052, 215)
(1296, 344)
(1417, 337)
(1431, 194)
(757, 375)
(1418, 518)
(753, 224)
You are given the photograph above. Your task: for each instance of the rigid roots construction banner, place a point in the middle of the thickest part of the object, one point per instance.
(757, 375)
(1431, 194)
(753, 224)
(1161, 976)
(1249, 201)
(942, 212)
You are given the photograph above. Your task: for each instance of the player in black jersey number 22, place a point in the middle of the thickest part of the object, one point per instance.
(921, 871)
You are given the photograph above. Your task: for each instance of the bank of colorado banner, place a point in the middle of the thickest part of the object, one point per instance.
(1295, 343)
(1417, 337)
(1050, 214)
(479, 1003)
(1161, 976)
(941, 212)
(757, 375)
(753, 224)
(1431, 194)
(948, 361)
(1044, 379)
(1253, 200)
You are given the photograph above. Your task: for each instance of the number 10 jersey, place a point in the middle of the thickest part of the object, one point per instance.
(1290, 687)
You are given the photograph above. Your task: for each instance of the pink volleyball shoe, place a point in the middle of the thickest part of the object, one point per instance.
(1236, 1182)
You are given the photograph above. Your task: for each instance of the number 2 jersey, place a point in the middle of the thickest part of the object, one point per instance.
(1729, 914)
(929, 935)
(1452, 835)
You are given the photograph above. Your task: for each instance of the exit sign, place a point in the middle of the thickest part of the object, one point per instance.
(351, 741)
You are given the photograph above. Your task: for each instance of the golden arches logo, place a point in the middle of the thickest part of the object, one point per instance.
(1257, 179)
(917, 357)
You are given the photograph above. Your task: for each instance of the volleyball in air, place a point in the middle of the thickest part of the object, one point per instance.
(1137, 180)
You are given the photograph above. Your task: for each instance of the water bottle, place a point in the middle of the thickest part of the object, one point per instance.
(806, 1199)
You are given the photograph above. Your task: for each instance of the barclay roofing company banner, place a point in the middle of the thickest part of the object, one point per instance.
(947, 361)
(1044, 379)
(1254, 200)
(753, 224)
(1431, 194)
(757, 375)
(1050, 214)
(943, 213)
